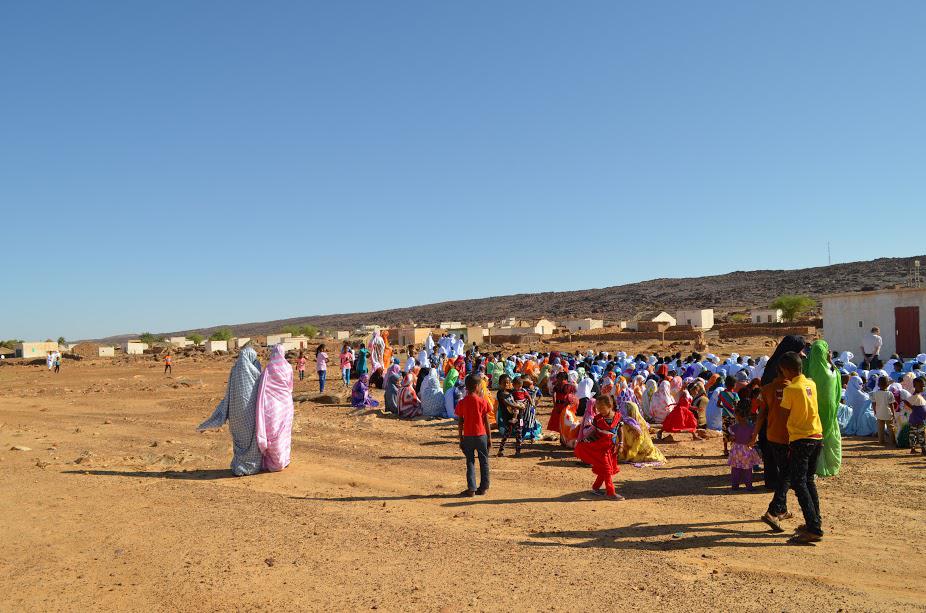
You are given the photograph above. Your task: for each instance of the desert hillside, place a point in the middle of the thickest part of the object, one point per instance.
(731, 291)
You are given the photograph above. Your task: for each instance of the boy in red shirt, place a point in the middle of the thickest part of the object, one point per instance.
(475, 438)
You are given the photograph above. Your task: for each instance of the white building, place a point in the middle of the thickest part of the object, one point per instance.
(294, 343)
(542, 327)
(342, 335)
(575, 325)
(451, 325)
(276, 339)
(179, 341)
(699, 319)
(134, 347)
(766, 316)
(239, 342)
(106, 352)
(652, 317)
(213, 346)
(35, 349)
(898, 313)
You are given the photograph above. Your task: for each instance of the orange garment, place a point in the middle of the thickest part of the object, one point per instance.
(387, 354)
(491, 399)
(569, 426)
(530, 367)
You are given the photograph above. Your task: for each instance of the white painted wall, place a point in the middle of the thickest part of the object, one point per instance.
(843, 314)
(767, 316)
(697, 318)
(212, 346)
(575, 325)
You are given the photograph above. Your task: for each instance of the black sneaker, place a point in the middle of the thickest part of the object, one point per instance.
(481, 492)
(467, 494)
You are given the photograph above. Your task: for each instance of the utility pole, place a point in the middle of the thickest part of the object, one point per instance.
(829, 254)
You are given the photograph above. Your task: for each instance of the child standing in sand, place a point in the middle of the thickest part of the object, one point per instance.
(168, 364)
(742, 455)
(321, 365)
(884, 404)
(917, 405)
(601, 448)
(346, 363)
(728, 400)
(510, 414)
(475, 436)
(300, 365)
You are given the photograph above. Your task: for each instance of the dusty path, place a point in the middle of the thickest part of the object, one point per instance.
(121, 505)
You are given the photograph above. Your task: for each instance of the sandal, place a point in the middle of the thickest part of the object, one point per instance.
(772, 522)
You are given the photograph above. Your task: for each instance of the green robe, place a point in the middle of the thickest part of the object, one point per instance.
(829, 392)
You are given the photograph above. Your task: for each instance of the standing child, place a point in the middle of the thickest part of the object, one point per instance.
(727, 400)
(57, 363)
(347, 361)
(805, 436)
(168, 363)
(917, 405)
(742, 454)
(475, 437)
(510, 413)
(300, 365)
(601, 448)
(884, 404)
(321, 365)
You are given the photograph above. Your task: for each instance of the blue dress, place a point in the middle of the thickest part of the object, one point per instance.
(863, 421)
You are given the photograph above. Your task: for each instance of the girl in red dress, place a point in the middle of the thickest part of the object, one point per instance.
(600, 448)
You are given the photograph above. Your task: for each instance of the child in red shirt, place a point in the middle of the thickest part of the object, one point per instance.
(475, 436)
(600, 449)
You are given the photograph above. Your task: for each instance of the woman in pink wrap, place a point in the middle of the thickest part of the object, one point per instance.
(275, 411)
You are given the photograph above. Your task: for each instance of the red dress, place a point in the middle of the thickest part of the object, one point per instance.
(681, 419)
(601, 453)
(564, 395)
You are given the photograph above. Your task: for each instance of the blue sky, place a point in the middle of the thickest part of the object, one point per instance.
(166, 165)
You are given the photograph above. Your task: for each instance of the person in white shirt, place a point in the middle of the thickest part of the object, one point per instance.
(871, 344)
(883, 402)
(584, 392)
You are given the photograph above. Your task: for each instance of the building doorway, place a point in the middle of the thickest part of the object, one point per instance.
(907, 330)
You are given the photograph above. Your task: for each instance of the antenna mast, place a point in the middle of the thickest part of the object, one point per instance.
(829, 254)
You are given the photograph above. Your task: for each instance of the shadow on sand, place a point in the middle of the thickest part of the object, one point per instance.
(664, 537)
(191, 475)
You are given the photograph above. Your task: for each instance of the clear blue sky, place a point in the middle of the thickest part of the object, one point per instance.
(166, 165)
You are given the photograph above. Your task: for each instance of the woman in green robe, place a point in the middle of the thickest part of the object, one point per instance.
(817, 367)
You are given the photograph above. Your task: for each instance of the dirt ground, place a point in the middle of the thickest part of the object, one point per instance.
(117, 503)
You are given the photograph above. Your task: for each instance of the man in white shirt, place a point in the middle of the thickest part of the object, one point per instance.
(871, 344)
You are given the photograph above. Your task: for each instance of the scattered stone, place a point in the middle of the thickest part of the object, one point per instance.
(153, 444)
(270, 561)
(20, 448)
(41, 464)
(107, 422)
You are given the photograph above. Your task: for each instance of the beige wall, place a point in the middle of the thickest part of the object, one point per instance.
(35, 349)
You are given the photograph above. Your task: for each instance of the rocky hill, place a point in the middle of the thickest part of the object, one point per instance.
(726, 293)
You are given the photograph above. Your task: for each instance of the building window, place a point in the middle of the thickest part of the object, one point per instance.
(859, 324)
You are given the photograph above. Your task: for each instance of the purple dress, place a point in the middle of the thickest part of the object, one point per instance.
(742, 456)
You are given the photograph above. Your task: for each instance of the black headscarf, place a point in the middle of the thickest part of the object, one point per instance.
(788, 343)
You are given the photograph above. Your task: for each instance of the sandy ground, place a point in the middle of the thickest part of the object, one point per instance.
(120, 505)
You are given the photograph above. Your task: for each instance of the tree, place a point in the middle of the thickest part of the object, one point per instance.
(222, 334)
(61, 340)
(793, 306)
(306, 330)
(195, 338)
(148, 338)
